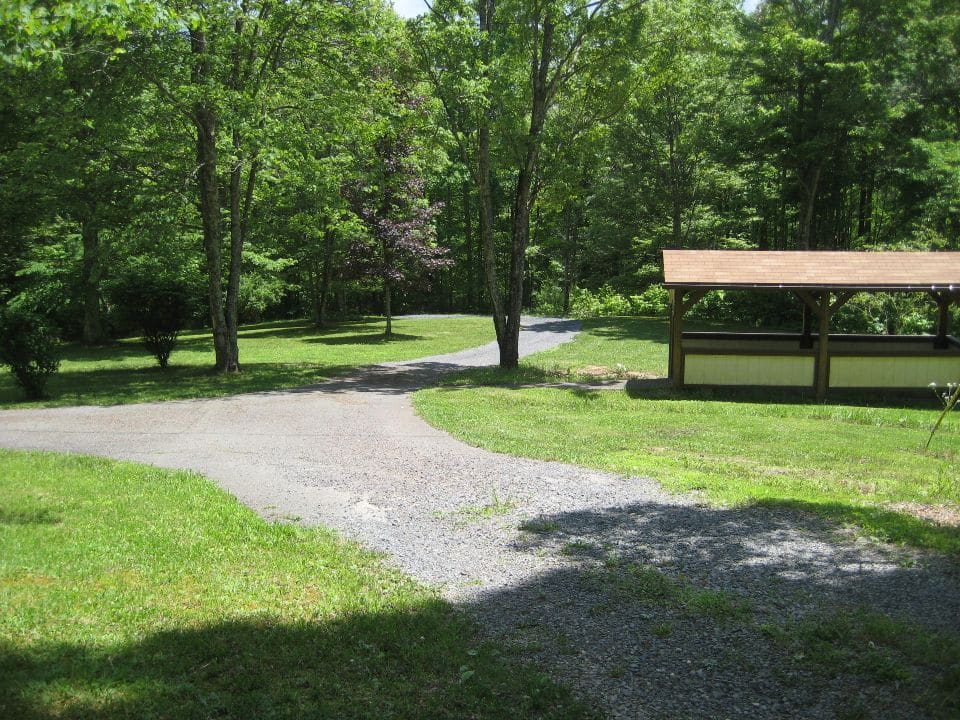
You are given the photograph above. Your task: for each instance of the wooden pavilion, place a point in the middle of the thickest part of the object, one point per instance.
(823, 282)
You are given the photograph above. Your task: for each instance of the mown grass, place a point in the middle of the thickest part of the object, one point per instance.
(129, 591)
(273, 356)
(882, 652)
(858, 458)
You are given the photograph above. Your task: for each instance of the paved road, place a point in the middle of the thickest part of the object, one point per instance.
(352, 455)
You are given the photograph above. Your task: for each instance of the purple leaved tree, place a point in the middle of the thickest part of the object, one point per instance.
(400, 246)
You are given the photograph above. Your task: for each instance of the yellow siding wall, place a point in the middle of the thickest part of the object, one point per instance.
(893, 372)
(748, 370)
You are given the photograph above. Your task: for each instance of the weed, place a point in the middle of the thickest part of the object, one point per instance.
(662, 630)
(716, 605)
(539, 526)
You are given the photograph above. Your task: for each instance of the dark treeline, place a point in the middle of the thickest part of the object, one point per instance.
(306, 158)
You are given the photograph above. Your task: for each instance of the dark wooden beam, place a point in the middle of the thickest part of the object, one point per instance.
(823, 350)
(842, 299)
(693, 298)
(944, 300)
(809, 300)
(676, 337)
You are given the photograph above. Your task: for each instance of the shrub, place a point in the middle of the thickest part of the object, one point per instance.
(30, 347)
(655, 300)
(605, 303)
(159, 308)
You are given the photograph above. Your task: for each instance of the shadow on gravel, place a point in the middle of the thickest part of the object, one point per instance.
(692, 612)
(383, 379)
(558, 325)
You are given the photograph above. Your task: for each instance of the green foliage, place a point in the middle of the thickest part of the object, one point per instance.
(674, 123)
(605, 302)
(263, 286)
(30, 347)
(158, 307)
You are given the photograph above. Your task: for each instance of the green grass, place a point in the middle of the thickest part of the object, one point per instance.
(129, 591)
(882, 651)
(858, 459)
(468, 514)
(272, 355)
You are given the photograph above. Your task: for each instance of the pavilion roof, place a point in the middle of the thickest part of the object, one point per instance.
(804, 269)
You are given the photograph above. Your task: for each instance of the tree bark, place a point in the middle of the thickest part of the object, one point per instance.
(472, 299)
(486, 11)
(811, 182)
(205, 119)
(326, 272)
(92, 274)
(387, 310)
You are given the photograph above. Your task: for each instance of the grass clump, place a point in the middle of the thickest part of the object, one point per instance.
(130, 591)
(273, 355)
(880, 650)
(497, 507)
(858, 459)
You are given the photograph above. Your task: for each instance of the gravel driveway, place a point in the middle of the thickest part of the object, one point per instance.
(564, 591)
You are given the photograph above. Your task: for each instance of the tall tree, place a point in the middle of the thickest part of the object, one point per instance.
(521, 59)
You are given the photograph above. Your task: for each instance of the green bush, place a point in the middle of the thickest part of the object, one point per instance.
(30, 347)
(655, 300)
(158, 307)
(604, 303)
(886, 313)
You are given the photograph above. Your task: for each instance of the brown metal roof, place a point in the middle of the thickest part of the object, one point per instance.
(731, 269)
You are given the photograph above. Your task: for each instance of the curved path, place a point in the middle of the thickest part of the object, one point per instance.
(352, 455)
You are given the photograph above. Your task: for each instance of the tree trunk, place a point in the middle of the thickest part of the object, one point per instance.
(472, 300)
(387, 310)
(240, 203)
(810, 183)
(509, 337)
(205, 119)
(865, 210)
(676, 201)
(486, 11)
(236, 250)
(92, 274)
(326, 273)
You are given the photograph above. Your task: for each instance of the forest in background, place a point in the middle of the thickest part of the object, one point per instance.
(304, 158)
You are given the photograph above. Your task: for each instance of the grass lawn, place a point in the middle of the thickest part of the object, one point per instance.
(858, 458)
(129, 591)
(273, 356)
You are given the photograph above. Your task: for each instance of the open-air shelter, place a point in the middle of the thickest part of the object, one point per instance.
(823, 281)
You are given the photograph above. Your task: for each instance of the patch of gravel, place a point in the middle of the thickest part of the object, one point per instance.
(544, 555)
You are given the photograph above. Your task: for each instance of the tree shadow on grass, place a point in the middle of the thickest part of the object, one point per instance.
(656, 330)
(880, 523)
(410, 663)
(151, 384)
(377, 338)
(660, 389)
(37, 516)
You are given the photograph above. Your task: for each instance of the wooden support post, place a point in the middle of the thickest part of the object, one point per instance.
(823, 349)
(943, 321)
(810, 306)
(676, 337)
(806, 338)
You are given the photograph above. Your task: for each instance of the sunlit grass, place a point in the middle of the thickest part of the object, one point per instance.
(858, 458)
(273, 355)
(129, 591)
